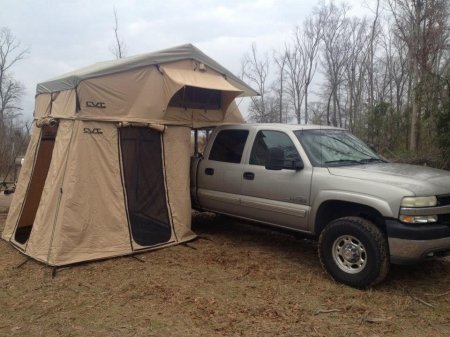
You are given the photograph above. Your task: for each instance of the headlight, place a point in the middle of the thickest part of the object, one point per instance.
(419, 201)
(418, 210)
(418, 218)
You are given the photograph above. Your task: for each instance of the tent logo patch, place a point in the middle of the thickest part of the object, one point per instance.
(94, 131)
(98, 105)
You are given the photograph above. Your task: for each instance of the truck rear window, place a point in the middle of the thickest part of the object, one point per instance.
(228, 146)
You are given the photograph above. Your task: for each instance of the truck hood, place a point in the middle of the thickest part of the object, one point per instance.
(420, 180)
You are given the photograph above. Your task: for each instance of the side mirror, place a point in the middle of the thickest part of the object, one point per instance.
(297, 165)
(275, 159)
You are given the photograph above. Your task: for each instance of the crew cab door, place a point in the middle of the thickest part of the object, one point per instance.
(280, 197)
(219, 174)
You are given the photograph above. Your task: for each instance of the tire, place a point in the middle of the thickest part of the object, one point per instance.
(354, 251)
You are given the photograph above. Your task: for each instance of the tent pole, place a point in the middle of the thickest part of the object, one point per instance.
(196, 143)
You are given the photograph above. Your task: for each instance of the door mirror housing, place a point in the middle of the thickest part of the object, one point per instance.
(294, 165)
(276, 161)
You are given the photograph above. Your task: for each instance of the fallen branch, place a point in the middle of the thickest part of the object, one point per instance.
(375, 320)
(438, 295)
(326, 311)
(420, 300)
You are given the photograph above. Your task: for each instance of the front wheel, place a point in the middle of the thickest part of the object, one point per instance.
(354, 251)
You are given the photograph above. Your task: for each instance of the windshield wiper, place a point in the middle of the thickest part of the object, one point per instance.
(371, 160)
(343, 161)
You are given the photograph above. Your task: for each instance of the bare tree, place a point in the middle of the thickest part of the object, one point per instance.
(423, 26)
(296, 73)
(280, 61)
(371, 54)
(386, 76)
(355, 70)
(11, 90)
(119, 49)
(309, 38)
(335, 53)
(256, 71)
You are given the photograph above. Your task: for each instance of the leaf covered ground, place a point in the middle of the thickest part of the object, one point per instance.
(235, 280)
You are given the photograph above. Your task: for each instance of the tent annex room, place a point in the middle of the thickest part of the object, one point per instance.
(106, 172)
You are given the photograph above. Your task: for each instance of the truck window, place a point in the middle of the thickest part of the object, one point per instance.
(265, 140)
(228, 146)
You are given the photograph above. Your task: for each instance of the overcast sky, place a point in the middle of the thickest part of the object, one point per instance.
(65, 35)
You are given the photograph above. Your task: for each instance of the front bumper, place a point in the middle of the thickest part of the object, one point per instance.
(409, 243)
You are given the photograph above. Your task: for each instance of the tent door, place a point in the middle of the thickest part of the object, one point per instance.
(36, 185)
(143, 173)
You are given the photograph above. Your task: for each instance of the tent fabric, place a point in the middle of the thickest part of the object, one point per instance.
(15, 209)
(106, 171)
(39, 243)
(63, 104)
(177, 151)
(142, 95)
(184, 52)
(42, 106)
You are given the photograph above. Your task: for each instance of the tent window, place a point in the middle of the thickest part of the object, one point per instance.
(197, 98)
(37, 182)
(144, 183)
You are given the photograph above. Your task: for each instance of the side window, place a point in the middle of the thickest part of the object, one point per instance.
(228, 146)
(265, 140)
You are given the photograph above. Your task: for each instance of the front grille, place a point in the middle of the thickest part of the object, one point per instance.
(444, 200)
(444, 219)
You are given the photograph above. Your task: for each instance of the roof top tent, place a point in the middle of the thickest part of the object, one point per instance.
(106, 172)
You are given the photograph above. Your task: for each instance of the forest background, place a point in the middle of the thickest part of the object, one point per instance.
(384, 76)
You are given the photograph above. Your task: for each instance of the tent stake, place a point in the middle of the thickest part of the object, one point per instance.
(54, 270)
(200, 237)
(137, 258)
(189, 246)
(22, 263)
(195, 143)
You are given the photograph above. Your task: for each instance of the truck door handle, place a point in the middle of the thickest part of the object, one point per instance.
(249, 175)
(209, 171)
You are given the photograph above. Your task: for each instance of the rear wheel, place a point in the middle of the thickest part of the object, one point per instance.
(354, 251)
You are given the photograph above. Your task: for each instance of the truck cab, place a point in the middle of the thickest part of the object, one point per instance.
(325, 182)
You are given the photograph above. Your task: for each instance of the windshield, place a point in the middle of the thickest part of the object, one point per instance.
(335, 148)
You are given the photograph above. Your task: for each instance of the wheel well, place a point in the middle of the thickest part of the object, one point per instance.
(334, 209)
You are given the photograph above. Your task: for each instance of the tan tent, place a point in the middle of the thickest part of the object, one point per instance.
(106, 172)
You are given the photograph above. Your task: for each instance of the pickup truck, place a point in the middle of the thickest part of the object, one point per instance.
(326, 183)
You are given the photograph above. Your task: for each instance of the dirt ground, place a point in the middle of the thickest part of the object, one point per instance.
(236, 280)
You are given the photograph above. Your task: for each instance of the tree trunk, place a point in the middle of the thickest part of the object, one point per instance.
(306, 105)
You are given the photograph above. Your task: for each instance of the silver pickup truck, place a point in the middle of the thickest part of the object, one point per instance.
(325, 182)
